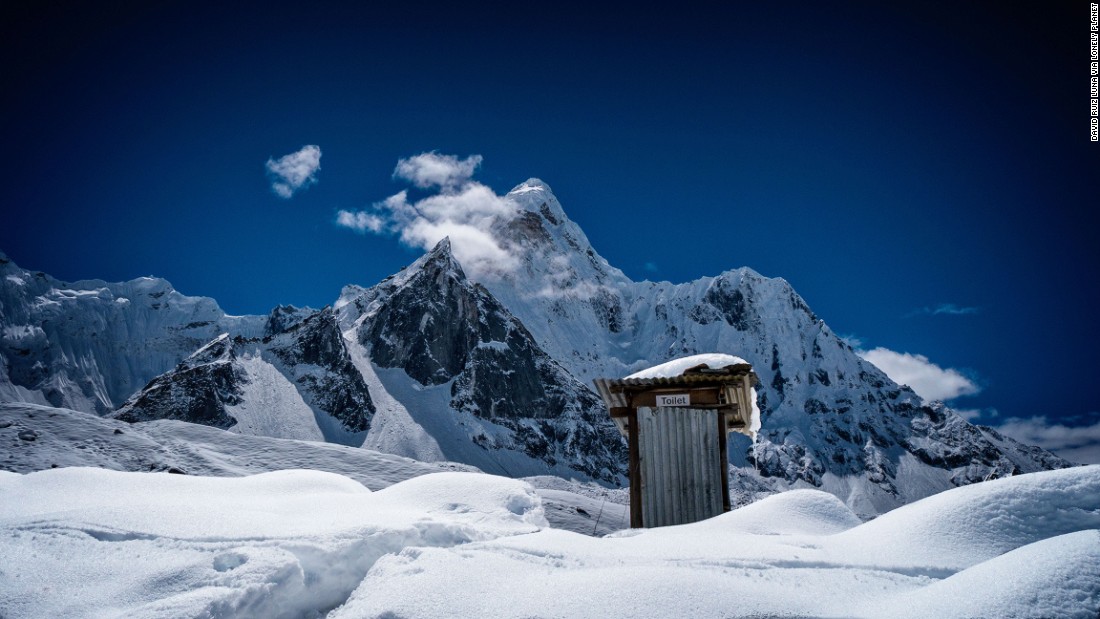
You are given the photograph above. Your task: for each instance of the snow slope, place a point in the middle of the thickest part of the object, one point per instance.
(393, 429)
(270, 405)
(56, 437)
(298, 381)
(97, 543)
(66, 438)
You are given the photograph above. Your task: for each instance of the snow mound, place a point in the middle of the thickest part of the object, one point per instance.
(738, 566)
(1045, 579)
(958, 528)
(89, 542)
(83, 541)
(676, 367)
(797, 512)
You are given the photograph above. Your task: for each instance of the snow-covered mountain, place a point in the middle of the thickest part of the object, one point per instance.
(89, 345)
(434, 365)
(830, 419)
(297, 381)
(472, 378)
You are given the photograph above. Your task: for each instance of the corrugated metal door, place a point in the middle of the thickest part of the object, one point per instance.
(681, 466)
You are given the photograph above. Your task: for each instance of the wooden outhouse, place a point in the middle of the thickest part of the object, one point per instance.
(677, 429)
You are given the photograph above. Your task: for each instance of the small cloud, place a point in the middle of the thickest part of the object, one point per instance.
(651, 267)
(927, 379)
(943, 309)
(428, 170)
(1075, 443)
(360, 221)
(293, 172)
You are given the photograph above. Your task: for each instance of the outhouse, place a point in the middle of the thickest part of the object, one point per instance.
(676, 418)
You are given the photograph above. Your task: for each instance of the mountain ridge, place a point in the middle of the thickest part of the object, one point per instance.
(494, 370)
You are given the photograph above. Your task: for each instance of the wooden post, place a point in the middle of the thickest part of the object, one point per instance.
(635, 470)
(723, 455)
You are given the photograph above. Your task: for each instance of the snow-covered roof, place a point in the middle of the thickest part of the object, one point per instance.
(733, 374)
(677, 367)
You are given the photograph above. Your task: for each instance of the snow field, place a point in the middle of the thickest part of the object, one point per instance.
(800, 553)
(90, 542)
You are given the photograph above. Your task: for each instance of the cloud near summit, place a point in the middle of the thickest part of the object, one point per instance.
(462, 209)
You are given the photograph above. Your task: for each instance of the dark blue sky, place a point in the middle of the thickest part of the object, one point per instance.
(881, 158)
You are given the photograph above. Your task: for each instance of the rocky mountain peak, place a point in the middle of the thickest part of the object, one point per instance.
(284, 317)
(200, 389)
(440, 261)
(446, 332)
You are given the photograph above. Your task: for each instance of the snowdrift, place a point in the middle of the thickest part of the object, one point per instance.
(83, 542)
(90, 542)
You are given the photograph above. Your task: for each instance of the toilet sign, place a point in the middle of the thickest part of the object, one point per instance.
(674, 399)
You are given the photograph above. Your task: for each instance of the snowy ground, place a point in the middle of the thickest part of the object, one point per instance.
(62, 437)
(84, 542)
(97, 543)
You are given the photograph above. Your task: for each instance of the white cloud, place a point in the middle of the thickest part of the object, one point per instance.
(293, 172)
(1077, 444)
(927, 379)
(360, 221)
(463, 209)
(428, 170)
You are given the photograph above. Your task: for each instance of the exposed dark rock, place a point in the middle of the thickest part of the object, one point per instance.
(197, 391)
(338, 389)
(728, 299)
(608, 309)
(429, 325)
